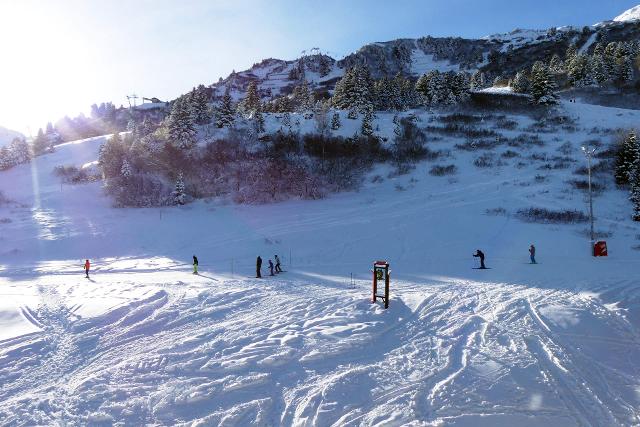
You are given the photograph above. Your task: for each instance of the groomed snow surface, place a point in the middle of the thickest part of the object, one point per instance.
(145, 342)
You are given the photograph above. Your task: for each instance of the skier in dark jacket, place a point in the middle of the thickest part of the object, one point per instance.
(195, 264)
(480, 254)
(258, 266)
(271, 268)
(278, 269)
(532, 253)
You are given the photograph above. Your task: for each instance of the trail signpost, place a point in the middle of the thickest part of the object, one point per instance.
(381, 272)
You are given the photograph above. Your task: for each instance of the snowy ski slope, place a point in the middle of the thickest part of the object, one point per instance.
(144, 342)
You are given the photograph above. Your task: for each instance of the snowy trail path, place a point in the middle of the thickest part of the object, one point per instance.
(290, 352)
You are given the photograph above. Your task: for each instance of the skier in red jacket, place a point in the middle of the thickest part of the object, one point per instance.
(87, 266)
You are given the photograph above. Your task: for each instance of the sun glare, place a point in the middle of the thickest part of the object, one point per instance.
(44, 74)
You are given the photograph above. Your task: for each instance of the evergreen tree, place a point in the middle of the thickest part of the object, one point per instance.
(610, 63)
(126, 171)
(335, 121)
(200, 106)
(352, 114)
(40, 143)
(572, 52)
(324, 66)
(520, 83)
(251, 100)
(180, 125)
(627, 156)
(226, 112)
(354, 90)
(579, 72)
(556, 65)
(367, 123)
(302, 97)
(478, 80)
(50, 129)
(542, 85)
(258, 120)
(598, 70)
(179, 194)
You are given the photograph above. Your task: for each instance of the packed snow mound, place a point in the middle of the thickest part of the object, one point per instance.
(8, 135)
(632, 14)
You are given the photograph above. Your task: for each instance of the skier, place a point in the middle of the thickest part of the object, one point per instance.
(532, 253)
(195, 264)
(87, 266)
(258, 267)
(278, 269)
(480, 254)
(271, 268)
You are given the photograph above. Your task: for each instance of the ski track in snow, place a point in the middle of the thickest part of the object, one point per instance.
(232, 353)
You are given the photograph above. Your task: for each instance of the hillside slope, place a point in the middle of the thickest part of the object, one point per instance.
(8, 135)
(146, 342)
(497, 55)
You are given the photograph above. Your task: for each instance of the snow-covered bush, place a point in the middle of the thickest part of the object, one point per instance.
(583, 184)
(546, 216)
(74, 175)
(485, 161)
(442, 170)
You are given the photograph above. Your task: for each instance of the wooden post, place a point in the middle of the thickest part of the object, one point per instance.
(375, 285)
(386, 288)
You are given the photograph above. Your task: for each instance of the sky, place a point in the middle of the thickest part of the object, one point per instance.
(57, 57)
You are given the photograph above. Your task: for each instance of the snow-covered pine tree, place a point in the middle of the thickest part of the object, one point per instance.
(352, 114)
(578, 71)
(226, 111)
(398, 97)
(200, 106)
(627, 156)
(625, 67)
(542, 85)
(556, 65)
(335, 121)
(179, 195)
(258, 121)
(609, 57)
(40, 143)
(126, 171)
(520, 83)
(302, 97)
(408, 96)
(180, 125)
(354, 90)
(146, 127)
(382, 94)
(437, 90)
(596, 64)
(324, 66)
(572, 51)
(251, 101)
(367, 122)
(422, 88)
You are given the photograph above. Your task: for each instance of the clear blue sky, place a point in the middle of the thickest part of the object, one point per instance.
(68, 54)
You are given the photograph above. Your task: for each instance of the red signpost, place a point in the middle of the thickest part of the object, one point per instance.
(381, 272)
(600, 248)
